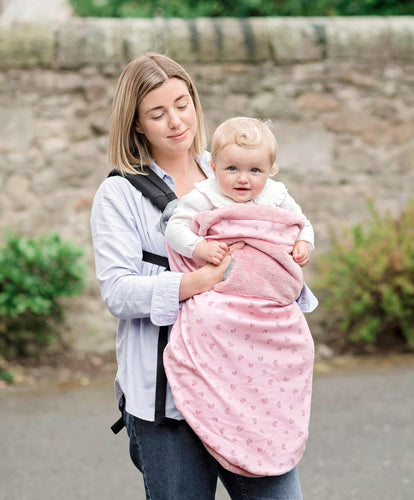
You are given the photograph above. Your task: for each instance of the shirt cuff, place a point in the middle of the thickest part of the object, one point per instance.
(307, 301)
(165, 303)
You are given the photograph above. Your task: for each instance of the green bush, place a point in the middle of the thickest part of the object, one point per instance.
(5, 376)
(368, 279)
(34, 274)
(239, 8)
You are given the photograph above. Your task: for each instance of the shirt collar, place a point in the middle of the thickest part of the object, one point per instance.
(202, 160)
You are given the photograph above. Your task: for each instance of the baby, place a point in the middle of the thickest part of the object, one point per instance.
(243, 160)
(240, 357)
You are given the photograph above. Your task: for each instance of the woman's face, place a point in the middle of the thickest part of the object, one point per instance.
(167, 117)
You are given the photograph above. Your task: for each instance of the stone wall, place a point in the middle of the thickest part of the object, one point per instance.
(340, 93)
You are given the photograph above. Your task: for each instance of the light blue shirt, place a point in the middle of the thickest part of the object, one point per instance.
(139, 294)
(143, 296)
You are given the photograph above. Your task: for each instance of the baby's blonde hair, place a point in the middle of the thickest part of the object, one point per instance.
(245, 132)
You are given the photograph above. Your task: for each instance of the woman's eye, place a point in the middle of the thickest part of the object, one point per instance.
(182, 107)
(158, 117)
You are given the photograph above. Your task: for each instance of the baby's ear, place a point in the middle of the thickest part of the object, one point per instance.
(213, 167)
(274, 170)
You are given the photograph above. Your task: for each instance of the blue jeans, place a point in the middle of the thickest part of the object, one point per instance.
(176, 466)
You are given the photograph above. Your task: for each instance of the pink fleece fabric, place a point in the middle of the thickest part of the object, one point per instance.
(240, 357)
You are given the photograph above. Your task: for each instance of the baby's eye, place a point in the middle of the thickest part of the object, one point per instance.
(255, 170)
(232, 169)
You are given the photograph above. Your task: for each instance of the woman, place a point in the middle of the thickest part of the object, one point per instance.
(157, 120)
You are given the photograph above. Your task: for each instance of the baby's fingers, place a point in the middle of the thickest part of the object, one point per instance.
(236, 246)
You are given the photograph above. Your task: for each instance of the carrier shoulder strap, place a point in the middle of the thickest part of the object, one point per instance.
(151, 186)
(160, 194)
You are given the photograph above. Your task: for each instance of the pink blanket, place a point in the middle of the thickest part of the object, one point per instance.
(240, 357)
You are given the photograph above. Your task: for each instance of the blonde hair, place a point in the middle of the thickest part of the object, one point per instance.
(245, 132)
(128, 150)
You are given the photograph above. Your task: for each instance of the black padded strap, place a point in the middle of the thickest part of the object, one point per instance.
(158, 260)
(161, 383)
(161, 380)
(120, 423)
(151, 186)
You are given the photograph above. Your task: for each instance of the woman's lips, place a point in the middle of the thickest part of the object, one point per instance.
(178, 136)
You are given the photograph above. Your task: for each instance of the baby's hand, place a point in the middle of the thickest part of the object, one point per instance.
(211, 251)
(301, 252)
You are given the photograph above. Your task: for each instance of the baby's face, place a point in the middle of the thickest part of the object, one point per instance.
(241, 173)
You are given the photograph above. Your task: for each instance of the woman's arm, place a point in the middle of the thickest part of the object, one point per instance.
(122, 221)
(122, 225)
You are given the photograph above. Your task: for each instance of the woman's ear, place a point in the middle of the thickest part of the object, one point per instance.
(138, 127)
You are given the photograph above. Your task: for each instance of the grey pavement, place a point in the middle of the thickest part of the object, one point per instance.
(55, 441)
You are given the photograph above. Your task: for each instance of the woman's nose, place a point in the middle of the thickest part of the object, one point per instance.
(174, 120)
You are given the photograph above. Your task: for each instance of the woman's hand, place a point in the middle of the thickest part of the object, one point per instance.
(203, 279)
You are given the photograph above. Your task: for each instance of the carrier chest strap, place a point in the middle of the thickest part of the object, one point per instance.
(158, 260)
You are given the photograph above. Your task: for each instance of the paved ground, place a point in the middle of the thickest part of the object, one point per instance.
(55, 441)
